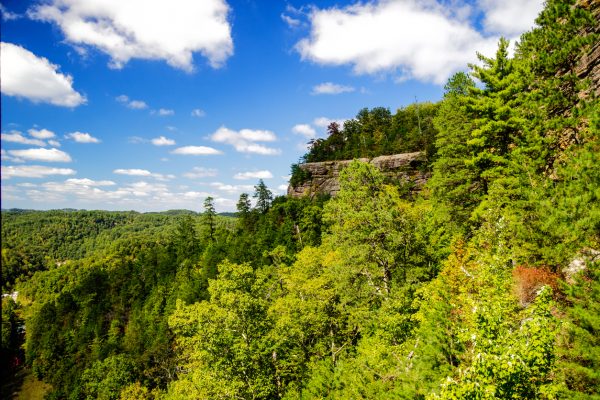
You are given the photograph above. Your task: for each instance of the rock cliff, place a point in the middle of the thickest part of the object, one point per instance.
(324, 176)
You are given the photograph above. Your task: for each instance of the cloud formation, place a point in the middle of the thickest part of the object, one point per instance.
(17, 137)
(264, 174)
(40, 154)
(82, 137)
(305, 130)
(425, 40)
(198, 113)
(163, 141)
(332, 88)
(200, 172)
(41, 133)
(144, 29)
(133, 104)
(23, 74)
(165, 112)
(143, 172)
(244, 141)
(33, 171)
(196, 151)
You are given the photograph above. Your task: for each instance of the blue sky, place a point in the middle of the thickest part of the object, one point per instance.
(153, 105)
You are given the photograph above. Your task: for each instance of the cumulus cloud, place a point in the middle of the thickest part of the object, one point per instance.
(244, 141)
(133, 104)
(144, 29)
(82, 137)
(264, 174)
(47, 155)
(198, 113)
(510, 17)
(41, 133)
(332, 88)
(414, 39)
(54, 143)
(33, 171)
(200, 172)
(17, 137)
(232, 189)
(26, 75)
(89, 182)
(196, 151)
(163, 141)
(305, 130)
(143, 172)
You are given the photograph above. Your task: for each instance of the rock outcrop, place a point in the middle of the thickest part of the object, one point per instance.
(324, 176)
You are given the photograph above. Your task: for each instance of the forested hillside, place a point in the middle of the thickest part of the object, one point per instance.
(484, 286)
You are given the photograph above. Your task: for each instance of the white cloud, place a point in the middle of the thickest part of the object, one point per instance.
(82, 137)
(198, 113)
(164, 112)
(54, 143)
(418, 39)
(89, 182)
(196, 151)
(41, 133)
(144, 29)
(143, 172)
(510, 17)
(200, 172)
(282, 188)
(24, 74)
(264, 174)
(47, 155)
(33, 171)
(244, 140)
(331, 88)
(133, 104)
(305, 130)
(17, 137)
(232, 189)
(163, 141)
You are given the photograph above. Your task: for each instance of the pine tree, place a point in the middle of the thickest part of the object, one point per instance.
(209, 217)
(263, 197)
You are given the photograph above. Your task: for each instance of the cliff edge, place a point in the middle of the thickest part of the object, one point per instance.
(323, 177)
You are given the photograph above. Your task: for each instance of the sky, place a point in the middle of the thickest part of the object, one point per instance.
(154, 105)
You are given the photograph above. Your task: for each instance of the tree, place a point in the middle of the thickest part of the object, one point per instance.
(187, 245)
(263, 197)
(243, 206)
(209, 217)
(454, 184)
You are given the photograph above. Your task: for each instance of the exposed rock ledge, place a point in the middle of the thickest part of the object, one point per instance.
(324, 176)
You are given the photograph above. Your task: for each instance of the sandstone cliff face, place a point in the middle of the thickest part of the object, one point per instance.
(325, 175)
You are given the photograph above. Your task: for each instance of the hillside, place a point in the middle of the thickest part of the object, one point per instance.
(482, 284)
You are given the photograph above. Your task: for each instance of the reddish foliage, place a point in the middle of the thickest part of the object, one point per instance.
(528, 280)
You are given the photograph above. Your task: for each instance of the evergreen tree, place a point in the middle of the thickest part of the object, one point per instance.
(209, 217)
(263, 197)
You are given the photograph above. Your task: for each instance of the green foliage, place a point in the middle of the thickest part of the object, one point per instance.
(375, 132)
(298, 175)
(365, 295)
(578, 354)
